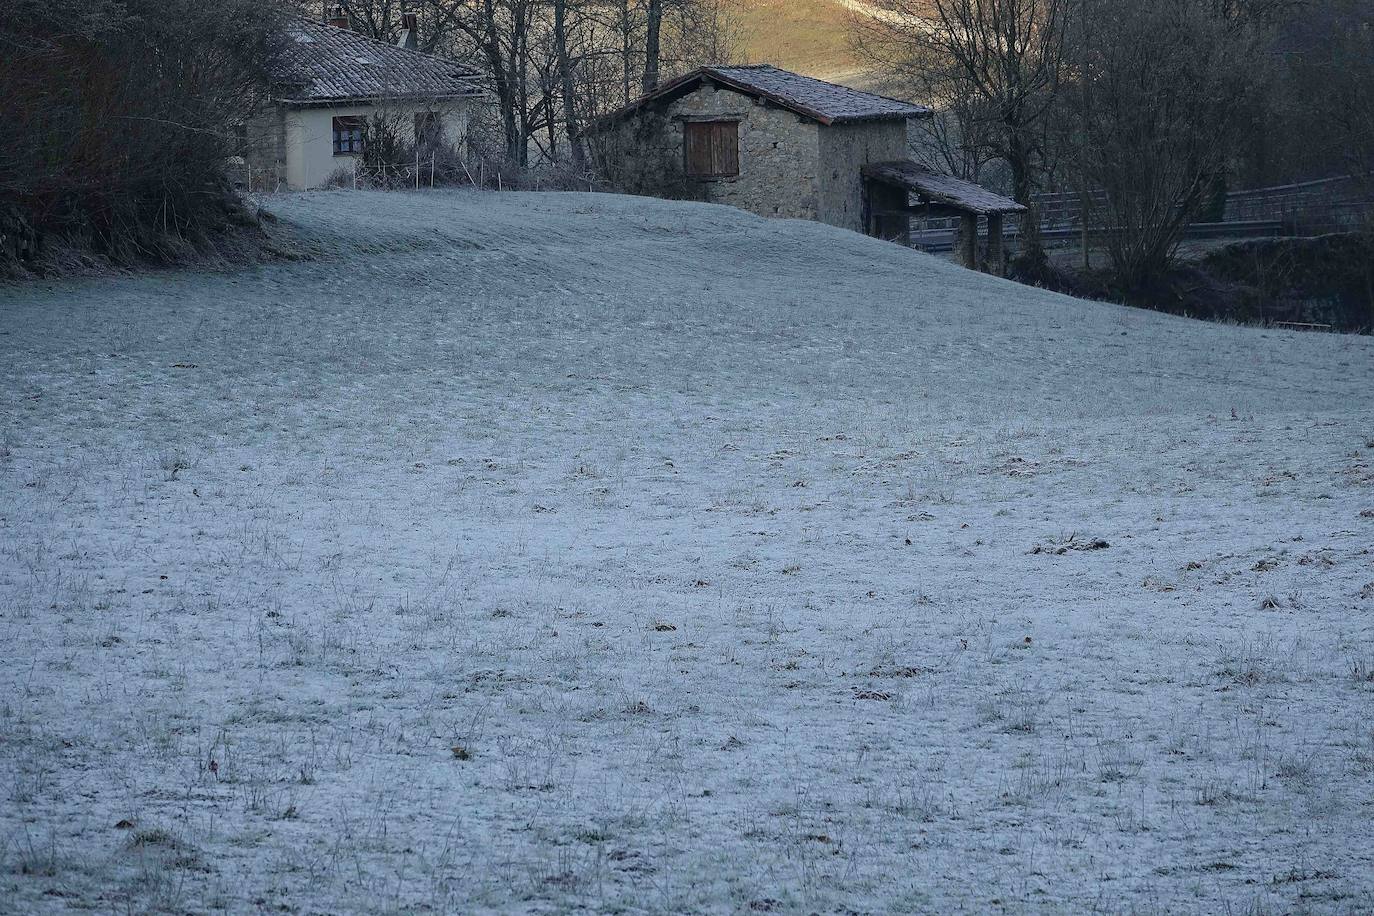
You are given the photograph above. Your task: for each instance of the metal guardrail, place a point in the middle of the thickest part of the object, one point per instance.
(1339, 202)
(943, 239)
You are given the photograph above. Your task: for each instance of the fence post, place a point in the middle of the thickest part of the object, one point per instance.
(968, 240)
(1083, 219)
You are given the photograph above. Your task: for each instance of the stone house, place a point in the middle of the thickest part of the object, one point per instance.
(757, 137)
(335, 90)
(784, 145)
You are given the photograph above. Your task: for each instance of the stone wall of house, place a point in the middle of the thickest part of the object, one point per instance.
(636, 155)
(844, 150)
(779, 158)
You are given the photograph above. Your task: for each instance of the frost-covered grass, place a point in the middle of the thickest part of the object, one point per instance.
(557, 552)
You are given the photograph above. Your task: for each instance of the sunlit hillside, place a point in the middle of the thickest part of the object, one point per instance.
(814, 37)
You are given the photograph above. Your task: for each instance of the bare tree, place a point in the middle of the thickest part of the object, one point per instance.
(993, 67)
(554, 64)
(499, 31)
(1333, 69)
(1164, 85)
(383, 19)
(567, 82)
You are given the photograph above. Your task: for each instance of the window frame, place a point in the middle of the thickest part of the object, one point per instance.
(355, 127)
(711, 128)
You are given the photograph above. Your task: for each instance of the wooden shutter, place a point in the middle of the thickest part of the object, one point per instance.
(726, 154)
(697, 140)
(711, 148)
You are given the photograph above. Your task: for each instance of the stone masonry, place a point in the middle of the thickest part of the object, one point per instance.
(778, 155)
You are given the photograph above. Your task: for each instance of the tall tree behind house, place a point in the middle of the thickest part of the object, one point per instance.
(996, 64)
(554, 64)
(653, 32)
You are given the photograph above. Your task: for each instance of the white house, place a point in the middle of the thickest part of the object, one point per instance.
(334, 90)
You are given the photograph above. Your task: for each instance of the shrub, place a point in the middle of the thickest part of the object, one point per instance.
(118, 118)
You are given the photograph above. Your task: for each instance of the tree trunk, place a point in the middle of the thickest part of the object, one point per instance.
(520, 21)
(652, 52)
(504, 74)
(508, 101)
(1023, 192)
(626, 49)
(568, 88)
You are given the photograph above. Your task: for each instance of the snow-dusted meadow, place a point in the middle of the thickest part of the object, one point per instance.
(567, 552)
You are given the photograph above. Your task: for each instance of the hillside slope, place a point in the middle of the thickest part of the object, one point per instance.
(814, 37)
(546, 553)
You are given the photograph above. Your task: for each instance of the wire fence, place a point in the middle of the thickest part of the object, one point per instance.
(445, 169)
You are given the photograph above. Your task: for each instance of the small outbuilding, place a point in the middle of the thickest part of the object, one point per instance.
(780, 144)
(901, 189)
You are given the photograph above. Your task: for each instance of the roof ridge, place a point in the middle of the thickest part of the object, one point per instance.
(876, 95)
(809, 96)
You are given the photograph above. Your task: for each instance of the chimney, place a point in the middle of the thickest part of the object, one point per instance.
(339, 19)
(410, 32)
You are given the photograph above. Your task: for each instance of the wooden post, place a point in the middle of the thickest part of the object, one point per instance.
(997, 258)
(866, 208)
(1083, 219)
(968, 240)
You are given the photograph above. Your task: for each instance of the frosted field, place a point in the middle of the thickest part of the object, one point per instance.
(550, 553)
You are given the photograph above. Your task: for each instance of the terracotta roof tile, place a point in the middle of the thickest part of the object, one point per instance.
(324, 63)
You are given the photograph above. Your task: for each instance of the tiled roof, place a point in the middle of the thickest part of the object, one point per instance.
(323, 63)
(937, 188)
(827, 103)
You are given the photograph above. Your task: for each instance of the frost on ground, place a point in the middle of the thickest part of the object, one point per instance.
(569, 552)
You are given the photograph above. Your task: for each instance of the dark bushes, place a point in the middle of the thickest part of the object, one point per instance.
(1328, 279)
(117, 119)
(1320, 281)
